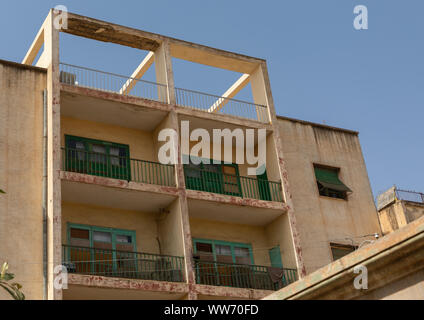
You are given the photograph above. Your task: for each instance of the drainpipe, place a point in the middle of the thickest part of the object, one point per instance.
(45, 194)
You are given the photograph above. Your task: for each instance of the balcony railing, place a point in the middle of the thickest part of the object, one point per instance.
(239, 186)
(217, 104)
(411, 196)
(122, 264)
(118, 167)
(110, 82)
(241, 275)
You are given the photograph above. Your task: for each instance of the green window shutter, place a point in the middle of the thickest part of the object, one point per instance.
(328, 178)
(275, 257)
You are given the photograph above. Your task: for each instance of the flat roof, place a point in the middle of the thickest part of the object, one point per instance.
(22, 66)
(314, 124)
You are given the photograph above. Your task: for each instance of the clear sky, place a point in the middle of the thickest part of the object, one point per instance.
(321, 68)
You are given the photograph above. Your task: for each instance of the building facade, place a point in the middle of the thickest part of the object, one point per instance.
(86, 188)
(397, 208)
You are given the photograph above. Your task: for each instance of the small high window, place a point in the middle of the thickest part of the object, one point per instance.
(340, 250)
(329, 184)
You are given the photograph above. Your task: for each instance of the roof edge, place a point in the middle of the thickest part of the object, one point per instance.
(314, 124)
(22, 66)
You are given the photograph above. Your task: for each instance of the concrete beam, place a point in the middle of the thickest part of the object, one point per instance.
(35, 47)
(138, 73)
(108, 32)
(213, 57)
(230, 93)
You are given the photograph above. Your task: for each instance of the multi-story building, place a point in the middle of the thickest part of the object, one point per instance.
(85, 187)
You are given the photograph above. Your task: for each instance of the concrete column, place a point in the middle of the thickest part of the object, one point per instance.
(261, 90)
(54, 239)
(164, 73)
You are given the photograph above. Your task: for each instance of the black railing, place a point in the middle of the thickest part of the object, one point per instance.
(241, 275)
(111, 82)
(245, 187)
(118, 167)
(123, 264)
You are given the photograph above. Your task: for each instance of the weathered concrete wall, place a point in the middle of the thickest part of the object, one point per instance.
(143, 223)
(414, 211)
(141, 143)
(408, 288)
(171, 230)
(21, 173)
(213, 230)
(398, 214)
(394, 265)
(321, 219)
(278, 234)
(392, 217)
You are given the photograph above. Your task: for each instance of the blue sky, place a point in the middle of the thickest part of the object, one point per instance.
(321, 68)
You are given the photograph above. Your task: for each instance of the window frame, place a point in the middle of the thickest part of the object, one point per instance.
(343, 194)
(225, 243)
(88, 142)
(341, 246)
(91, 229)
(222, 164)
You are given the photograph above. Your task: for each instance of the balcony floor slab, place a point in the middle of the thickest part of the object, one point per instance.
(218, 207)
(114, 193)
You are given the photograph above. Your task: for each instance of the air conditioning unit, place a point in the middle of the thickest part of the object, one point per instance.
(67, 77)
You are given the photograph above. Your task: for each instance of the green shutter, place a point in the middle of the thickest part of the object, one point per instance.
(275, 257)
(328, 178)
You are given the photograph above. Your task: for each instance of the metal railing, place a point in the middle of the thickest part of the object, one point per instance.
(122, 264)
(245, 187)
(217, 104)
(409, 195)
(110, 82)
(118, 167)
(240, 275)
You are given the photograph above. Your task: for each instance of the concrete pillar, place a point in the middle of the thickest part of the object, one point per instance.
(164, 73)
(261, 90)
(54, 239)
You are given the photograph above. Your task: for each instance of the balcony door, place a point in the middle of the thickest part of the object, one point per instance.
(217, 178)
(96, 157)
(223, 263)
(101, 251)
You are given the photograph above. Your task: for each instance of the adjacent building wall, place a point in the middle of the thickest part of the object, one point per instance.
(321, 220)
(398, 214)
(21, 175)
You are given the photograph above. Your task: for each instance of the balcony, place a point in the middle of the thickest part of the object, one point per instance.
(117, 167)
(114, 83)
(242, 275)
(233, 185)
(123, 264)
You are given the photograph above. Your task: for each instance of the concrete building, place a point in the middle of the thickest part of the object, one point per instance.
(85, 187)
(397, 208)
(390, 268)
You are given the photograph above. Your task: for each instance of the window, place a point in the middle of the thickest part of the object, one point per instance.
(223, 251)
(96, 157)
(340, 250)
(102, 251)
(217, 178)
(101, 238)
(329, 184)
